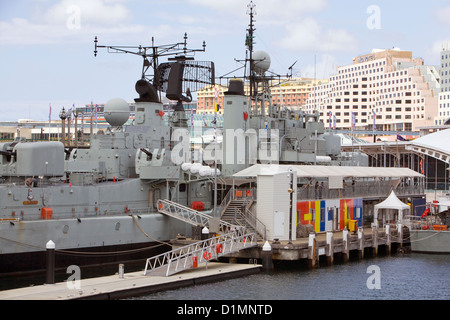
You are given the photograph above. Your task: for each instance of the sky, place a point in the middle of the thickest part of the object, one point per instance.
(46, 46)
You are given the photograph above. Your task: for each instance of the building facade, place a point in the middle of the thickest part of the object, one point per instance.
(292, 93)
(444, 96)
(386, 89)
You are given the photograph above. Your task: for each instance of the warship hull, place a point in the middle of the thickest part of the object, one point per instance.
(430, 241)
(85, 242)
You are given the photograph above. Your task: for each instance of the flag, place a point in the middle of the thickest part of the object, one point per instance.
(353, 121)
(204, 120)
(421, 166)
(215, 126)
(425, 213)
(216, 93)
(192, 117)
(69, 115)
(216, 98)
(400, 138)
(50, 113)
(334, 122)
(374, 119)
(330, 115)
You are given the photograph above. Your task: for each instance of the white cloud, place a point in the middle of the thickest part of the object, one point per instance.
(325, 66)
(276, 9)
(443, 15)
(20, 31)
(66, 22)
(91, 12)
(308, 35)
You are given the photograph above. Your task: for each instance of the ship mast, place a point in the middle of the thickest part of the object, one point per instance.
(249, 42)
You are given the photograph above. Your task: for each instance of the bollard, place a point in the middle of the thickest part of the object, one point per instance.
(400, 235)
(266, 256)
(388, 239)
(312, 250)
(205, 233)
(121, 271)
(345, 239)
(50, 258)
(361, 242)
(374, 241)
(330, 244)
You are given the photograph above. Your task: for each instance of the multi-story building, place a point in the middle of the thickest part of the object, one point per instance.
(292, 93)
(386, 88)
(444, 96)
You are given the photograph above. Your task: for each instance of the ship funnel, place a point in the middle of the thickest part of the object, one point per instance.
(236, 87)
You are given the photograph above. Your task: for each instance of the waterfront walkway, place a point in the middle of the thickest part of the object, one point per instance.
(131, 285)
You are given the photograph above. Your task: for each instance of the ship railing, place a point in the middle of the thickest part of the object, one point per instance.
(226, 201)
(191, 256)
(360, 189)
(255, 223)
(194, 217)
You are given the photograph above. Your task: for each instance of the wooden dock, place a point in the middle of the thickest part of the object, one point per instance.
(364, 241)
(130, 285)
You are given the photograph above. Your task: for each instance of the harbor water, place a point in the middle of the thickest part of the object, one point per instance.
(400, 277)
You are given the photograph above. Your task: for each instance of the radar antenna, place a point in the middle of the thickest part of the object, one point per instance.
(177, 78)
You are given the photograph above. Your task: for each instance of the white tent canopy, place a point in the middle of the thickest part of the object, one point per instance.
(393, 203)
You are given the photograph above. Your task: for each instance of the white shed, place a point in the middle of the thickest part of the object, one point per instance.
(277, 202)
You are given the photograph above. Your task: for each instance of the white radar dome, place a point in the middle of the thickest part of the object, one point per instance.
(261, 61)
(117, 112)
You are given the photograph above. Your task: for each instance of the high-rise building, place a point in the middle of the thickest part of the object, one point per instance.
(444, 96)
(292, 93)
(388, 89)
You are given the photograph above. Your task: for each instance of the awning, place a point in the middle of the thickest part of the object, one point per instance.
(328, 171)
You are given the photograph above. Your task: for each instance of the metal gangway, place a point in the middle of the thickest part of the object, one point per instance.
(233, 239)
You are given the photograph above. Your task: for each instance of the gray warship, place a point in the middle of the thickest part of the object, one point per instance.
(98, 204)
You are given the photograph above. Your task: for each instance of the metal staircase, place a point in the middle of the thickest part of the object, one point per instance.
(237, 213)
(233, 239)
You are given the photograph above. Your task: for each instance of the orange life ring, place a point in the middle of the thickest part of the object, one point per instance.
(207, 255)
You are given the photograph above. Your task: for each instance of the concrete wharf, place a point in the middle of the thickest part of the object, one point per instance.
(130, 285)
(364, 241)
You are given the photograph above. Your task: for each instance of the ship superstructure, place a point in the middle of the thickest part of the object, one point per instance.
(104, 198)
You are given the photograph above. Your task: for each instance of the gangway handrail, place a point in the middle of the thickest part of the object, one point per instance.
(194, 217)
(234, 239)
(183, 258)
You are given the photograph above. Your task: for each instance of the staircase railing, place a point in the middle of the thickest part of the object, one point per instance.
(194, 217)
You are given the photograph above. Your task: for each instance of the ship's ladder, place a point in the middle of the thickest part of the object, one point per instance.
(191, 256)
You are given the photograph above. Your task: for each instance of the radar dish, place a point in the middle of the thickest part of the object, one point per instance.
(117, 112)
(261, 60)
